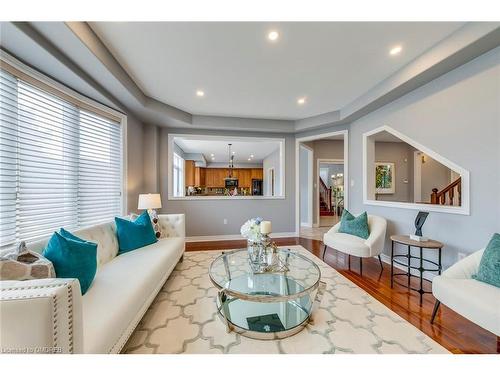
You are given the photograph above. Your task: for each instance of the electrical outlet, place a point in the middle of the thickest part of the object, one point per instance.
(225, 221)
(461, 256)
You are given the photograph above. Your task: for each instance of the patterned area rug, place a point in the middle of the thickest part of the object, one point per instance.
(183, 319)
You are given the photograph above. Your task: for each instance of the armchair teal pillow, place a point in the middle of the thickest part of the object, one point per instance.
(356, 226)
(72, 257)
(489, 266)
(134, 234)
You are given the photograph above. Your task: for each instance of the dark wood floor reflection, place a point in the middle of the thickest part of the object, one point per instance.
(451, 330)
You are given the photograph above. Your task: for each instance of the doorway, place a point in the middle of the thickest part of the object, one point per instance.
(329, 194)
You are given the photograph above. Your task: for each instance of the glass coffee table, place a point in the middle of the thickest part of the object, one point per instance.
(266, 305)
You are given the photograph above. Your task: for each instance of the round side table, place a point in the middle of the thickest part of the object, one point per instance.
(407, 241)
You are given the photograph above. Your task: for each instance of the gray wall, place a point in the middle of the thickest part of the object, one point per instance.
(206, 217)
(401, 154)
(135, 162)
(151, 149)
(457, 116)
(304, 185)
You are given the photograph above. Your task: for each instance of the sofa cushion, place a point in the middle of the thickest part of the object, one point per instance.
(134, 234)
(489, 267)
(355, 226)
(128, 284)
(72, 258)
(470, 298)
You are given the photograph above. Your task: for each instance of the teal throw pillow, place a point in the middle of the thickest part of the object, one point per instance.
(356, 226)
(134, 234)
(489, 266)
(72, 257)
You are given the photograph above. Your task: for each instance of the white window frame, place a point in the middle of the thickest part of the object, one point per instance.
(8, 59)
(369, 173)
(180, 176)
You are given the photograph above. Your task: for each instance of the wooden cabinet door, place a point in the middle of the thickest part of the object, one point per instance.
(189, 173)
(210, 177)
(203, 176)
(244, 177)
(257, 174)
(221, 174)
(199, 176)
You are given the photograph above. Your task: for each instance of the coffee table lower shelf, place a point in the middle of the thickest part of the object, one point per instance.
(268, 320)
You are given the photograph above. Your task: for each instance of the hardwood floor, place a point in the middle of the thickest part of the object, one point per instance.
(451, 330)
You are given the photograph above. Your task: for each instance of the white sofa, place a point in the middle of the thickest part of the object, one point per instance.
(50, 315)
(357, 246)
(477, 301)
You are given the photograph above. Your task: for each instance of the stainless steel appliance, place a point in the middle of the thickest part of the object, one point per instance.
(231, 183)
(257, 187)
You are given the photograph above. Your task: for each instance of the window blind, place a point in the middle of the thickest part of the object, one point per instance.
(60, 165)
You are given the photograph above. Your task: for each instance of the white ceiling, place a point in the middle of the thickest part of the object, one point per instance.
(245, 75)
(243, 149)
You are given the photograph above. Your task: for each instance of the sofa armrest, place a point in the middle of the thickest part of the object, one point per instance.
(41, 316)
(172, 225)
(465, 268)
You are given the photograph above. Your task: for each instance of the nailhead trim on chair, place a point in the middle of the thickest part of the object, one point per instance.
(54, 321)
(70, 317)
(54, 307)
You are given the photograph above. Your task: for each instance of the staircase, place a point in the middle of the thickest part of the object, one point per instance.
(325, 199)
(448, 195)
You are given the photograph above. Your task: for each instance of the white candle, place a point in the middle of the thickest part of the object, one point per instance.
(265, 227)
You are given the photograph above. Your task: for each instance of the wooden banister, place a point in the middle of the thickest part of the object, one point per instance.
(325, 193)
(440, 197)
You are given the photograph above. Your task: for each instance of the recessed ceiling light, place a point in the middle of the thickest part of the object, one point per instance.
(200, 93)
(249, 159)
(251, 156)
(273, 36)
(212, 155)
(301, 101)
(395, 50)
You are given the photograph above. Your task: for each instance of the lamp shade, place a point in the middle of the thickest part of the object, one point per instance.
(148, 201)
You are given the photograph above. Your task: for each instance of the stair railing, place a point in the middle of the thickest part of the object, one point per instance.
(447, 195)
(325, 194)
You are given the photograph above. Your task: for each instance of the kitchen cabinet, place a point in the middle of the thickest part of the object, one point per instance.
(257, 174)
(189, 173)
(215, 177)
(245, 178)
(210, 177)
(222, 174)
(200, 176)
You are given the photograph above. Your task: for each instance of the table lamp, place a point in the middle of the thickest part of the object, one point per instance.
(150, 202)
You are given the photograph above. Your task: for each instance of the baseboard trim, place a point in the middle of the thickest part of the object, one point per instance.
(227, 237)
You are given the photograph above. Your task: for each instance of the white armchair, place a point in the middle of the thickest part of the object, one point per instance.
(353, 245)
(477, 301)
